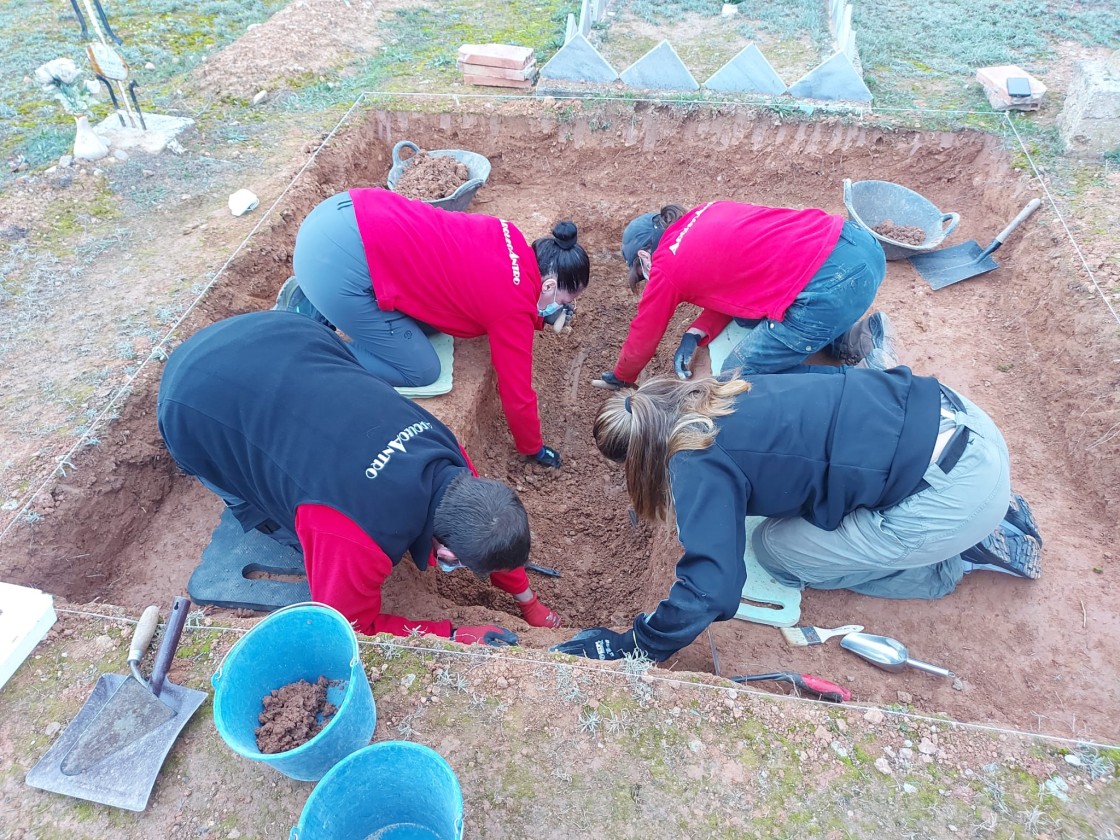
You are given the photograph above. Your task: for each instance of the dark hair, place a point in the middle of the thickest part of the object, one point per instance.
(561, 255)
(646, 428)
(484, 523)
(669, 214)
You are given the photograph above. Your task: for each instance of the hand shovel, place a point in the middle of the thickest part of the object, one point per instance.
(887, 653)
(946, 266)
(114, 748)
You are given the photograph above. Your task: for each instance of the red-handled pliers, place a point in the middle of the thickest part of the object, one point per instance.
(814, 686)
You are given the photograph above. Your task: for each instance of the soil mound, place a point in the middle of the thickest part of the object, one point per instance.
(431, 178)
(293, 715)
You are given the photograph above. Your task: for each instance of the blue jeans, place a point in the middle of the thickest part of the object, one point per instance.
(831, 302)
(330, 265)
(910, 550)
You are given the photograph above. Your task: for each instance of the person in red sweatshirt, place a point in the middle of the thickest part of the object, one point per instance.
(272, 412)
(799, 278)
(386, 270)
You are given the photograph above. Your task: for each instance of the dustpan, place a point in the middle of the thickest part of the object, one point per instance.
(114, 748)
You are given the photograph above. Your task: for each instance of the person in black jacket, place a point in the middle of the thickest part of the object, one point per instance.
(882, 482)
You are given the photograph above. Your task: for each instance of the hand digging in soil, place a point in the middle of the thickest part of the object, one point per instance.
(293, 715)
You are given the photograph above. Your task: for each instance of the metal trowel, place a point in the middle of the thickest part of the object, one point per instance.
(887, 653)
(114, 748)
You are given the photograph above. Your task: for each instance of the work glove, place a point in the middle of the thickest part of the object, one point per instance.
(484, 634)
(610, 382)
(683, 357)
(599, 643)
(537, 614)
(548, 456)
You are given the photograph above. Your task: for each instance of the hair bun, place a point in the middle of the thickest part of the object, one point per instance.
(565, 235)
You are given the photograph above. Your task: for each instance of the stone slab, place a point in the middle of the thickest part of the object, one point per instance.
(496, 55)
(491, 81)
(747, 72)
(585, 18)
(994, 82)
(498, 72)
(25, 617)
(578, 61)
(836, 78)
(570, 29)
(161, 130)
(660, 69)
(1089, 122)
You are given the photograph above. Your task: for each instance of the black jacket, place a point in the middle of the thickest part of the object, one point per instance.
(817, 445)
(274, 408)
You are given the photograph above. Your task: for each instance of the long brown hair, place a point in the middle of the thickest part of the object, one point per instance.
(666, 415)
(669, 214)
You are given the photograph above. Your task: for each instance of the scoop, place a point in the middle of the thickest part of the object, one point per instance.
(887, 653)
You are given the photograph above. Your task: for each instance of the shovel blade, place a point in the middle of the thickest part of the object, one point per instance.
(131, 713)
(951, 265)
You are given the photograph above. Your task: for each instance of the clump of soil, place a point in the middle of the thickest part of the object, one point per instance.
(293, 715)
(906, 234)
(430, 178)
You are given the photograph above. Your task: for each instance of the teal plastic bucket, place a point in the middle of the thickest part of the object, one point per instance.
(300, 642)
(395, 790)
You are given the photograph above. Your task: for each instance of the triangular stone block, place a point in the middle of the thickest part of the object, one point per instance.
(747, 72)
(578, 61)
(660, 68)
(836, 78)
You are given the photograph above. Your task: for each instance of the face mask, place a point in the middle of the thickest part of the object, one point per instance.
(551, 309)
(444, 566)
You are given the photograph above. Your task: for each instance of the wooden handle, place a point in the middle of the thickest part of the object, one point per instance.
(1018, 220)
(142, 635)
(167, 647)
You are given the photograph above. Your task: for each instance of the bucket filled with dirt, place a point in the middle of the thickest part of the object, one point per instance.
(905, 222)
(445, 178)
(293, 693)
(395, 790)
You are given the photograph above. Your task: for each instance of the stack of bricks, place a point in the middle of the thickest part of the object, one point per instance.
(994, 82)
(497, 65)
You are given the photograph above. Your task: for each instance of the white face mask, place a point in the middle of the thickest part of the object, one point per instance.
(444, 566)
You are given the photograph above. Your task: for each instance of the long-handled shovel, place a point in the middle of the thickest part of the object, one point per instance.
(946, 266)
(114, 748)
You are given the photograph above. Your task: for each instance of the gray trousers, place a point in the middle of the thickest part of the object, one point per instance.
(330, 265)
(911, 550)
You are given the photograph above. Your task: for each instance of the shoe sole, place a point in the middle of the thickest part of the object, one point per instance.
(1025, 563)
(1019, 515)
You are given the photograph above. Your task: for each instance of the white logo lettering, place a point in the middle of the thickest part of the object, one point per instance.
(395, 444)
(513, 258)
(673, 248)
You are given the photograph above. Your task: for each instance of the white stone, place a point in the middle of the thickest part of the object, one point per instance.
(160, 133)
(884, 767)
(1089, 122)
(874, 716)
(260, 96)
(149, 66)
(65, 161)
(729, 9)
(121, 155)
(242, 201)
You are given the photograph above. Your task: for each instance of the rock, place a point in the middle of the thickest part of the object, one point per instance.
(822, 734)
(927, 747)
(104, 643)
(1075, 760)
(407, 680)
(958, 684)
(260, 96)
(65, 161)
(841, 724)
(839, 750)
(149, 66)
(874, 716)
(147, 173)
(120, 154)
(908, 788)
(905, 754)
(905, 697)
(883, 766)
(52, 728)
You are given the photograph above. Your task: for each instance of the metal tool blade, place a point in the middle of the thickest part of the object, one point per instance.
(131, 713)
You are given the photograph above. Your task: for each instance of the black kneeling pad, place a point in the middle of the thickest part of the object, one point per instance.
(221, 578)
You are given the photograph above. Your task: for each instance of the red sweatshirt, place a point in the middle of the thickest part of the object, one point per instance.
(346, 568)
(467, 275)
(734, 260)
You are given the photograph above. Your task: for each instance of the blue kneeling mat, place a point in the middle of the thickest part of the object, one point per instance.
(220, 579)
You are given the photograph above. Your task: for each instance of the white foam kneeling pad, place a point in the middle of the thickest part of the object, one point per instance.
(444, 345)
(765, 601)
(25, 617)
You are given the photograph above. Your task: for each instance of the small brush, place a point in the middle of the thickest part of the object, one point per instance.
(805, 636)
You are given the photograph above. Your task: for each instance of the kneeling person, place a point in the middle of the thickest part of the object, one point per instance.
(272, 412)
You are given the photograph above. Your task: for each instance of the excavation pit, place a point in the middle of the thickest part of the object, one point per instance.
(1022, 650)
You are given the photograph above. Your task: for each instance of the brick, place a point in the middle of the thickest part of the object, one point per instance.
(496, 55)
(492, 81)
(498, 72)
(994, 82)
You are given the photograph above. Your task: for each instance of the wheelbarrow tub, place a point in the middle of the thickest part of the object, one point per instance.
(478, 167)
(870, 203)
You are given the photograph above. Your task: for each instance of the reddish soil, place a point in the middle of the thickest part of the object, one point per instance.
(293, 715)
(906, 234)
(430, 178)
(1029, 342)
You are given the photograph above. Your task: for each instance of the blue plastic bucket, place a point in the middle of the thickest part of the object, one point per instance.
(300, 642)
(395, 790)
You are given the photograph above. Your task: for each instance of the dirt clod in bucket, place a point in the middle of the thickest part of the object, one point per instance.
(293, 715)
(431, 178)
(906, 234)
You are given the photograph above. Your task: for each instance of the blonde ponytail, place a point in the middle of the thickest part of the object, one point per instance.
(644, 429)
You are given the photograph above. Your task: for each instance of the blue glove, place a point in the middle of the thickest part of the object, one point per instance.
(689, 342)
(610, 382)
(548, 456)
(484, 634)
(599, 643)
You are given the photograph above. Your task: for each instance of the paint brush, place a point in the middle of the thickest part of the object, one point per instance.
(805, 636)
